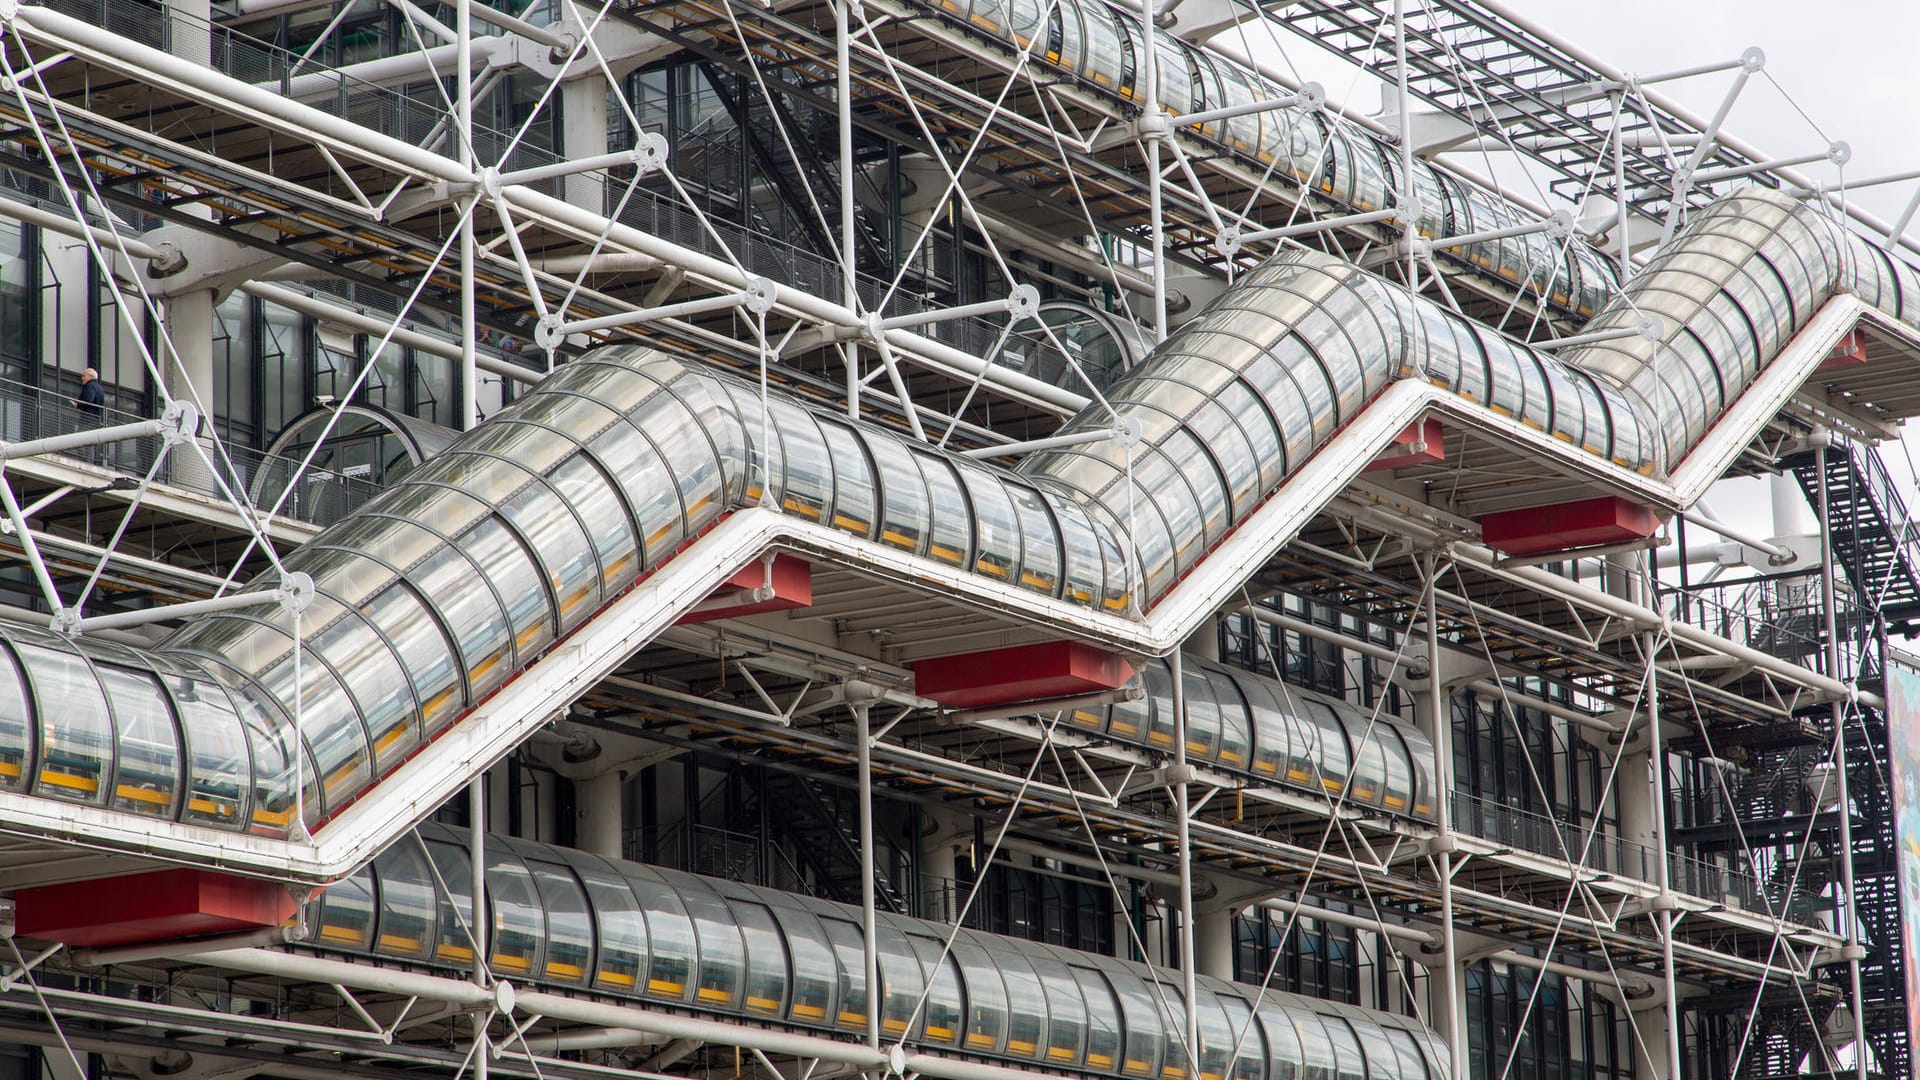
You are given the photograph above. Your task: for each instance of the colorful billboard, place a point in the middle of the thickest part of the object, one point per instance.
(1903, 755)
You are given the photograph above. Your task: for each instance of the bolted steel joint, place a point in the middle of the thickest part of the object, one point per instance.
(761, 293)
(546, 333)
(66, 622)
(650, 152)
(1227, 241)
(296, 592)
(1754, 60)
(1023, 302)
(181, 420)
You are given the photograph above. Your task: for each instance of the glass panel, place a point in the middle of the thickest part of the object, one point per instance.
(561, 547)
(1271, 727)
(407, 908)
(950, 536)
(650, 491)
(815, 977)
(14, 720)
(76, 731)
(455, 944)
(944, 1012)
(1316, 1049)
(901, 979)
(1283, 1042)
(620, 931)
(700, 392)
(1027, 1004)
(519, 925)
(147, 775)
(379, 687)
(1203, 714)
(583, 486)
(1103, 1020)
(471, 610)
(512, 573)
(850, 961)
(670, 932)
(422, 647)
(766, 989)
(986, 996)
(1159, 684)
(1085, 570)
(219, 771)
(689, 454)
(331, 726)
(1040, 547)
(723, 956)
(1235, 732)
(1349, 1065)
(1216, 1039)
(1146, 1032)
(905, 515)
(1250, 1052)
(345, 918)
(853, 506)
(995, 530)
(807, 488)
(1066, 1011)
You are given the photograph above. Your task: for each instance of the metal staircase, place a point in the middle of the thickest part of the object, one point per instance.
(819, 820)
(1874, 539)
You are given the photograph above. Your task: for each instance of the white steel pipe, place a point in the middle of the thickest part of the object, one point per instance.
(1310, 94)
(1498, 691)
(1775, 554)
(964, 311)
(568, 168)
(325, 311)
(65, 225)
(77, 440)
(683, 309)
(925, 350)
(1558, 224)
(1415, 663)
(1052, 442)
(230, 602)
(1400, 931)
(1305, 228)
(168, 73)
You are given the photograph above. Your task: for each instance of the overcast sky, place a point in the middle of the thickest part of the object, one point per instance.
(1849, 69)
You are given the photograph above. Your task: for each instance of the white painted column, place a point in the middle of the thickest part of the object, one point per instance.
(583, 104)
(599, 809)
(1213, 943)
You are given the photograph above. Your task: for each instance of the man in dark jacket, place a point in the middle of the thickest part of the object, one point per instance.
(92, 399)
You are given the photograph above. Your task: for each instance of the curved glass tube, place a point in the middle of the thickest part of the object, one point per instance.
(776, 958)
(1339, 160)
(621, 458)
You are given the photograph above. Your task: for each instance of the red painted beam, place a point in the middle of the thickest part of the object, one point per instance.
(757, 589)
(1423, 442)
(1568, 526)
(1051, 669)
(1848, 352)
(164, 905)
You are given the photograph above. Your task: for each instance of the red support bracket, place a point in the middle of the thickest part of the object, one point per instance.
(1568, 526)
(1051, 669)
(1850, 351)
(1423, 442)
(163, 905)
(772, 583)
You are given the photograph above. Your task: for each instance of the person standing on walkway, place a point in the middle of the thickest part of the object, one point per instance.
(93, 397)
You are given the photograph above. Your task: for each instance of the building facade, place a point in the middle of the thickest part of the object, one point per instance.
(944, 538)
